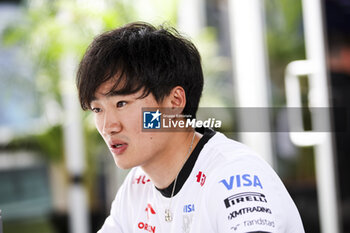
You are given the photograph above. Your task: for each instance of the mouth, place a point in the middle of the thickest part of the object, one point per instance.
(118, 148)
(117, 145)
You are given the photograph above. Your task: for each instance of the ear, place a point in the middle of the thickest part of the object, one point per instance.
(176, 100)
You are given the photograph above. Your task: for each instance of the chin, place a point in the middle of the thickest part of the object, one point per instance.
(122, 165)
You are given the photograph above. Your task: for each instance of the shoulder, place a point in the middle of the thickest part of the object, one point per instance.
(221, 152)
(234, 167)
(243, 190)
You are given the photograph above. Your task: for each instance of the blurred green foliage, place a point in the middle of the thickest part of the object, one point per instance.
(285, 40)
(48, 31)
(48, 143)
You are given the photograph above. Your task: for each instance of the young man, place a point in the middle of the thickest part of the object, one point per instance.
(181, 180)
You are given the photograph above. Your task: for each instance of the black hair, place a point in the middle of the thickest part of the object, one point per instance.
(140, 56)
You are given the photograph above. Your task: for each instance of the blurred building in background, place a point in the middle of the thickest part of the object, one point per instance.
(337, 13)
(35, 173)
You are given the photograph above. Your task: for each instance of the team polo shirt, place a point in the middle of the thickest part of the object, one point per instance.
(224, 187)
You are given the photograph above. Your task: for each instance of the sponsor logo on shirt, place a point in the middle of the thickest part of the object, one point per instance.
(248, 210)
(244, 197)
(241, 181)
(146, 227)
(188, 208)
(141, 180)
(260, 222)
(201, 178)
(149, 210)
(255, 222)
(186, 223)
(235, 227)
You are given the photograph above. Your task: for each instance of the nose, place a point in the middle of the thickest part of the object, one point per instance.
(111, 124)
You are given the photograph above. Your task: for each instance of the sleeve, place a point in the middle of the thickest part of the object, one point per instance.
(118, 219)
(111, 224)
(247, 196)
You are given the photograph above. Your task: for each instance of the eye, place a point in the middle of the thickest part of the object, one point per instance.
(121, 104)
(96, 110)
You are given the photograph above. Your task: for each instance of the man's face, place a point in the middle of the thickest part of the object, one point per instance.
(119, 121)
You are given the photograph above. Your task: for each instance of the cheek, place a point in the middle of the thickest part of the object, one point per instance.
(98, 124)
(152, 142)
(132, 121)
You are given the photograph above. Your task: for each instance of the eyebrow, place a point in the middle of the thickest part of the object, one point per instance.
(108, 94)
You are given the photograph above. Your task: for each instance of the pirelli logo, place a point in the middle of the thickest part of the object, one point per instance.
(244, 197)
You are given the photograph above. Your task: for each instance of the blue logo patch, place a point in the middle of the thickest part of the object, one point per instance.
(239, 181)
(188, 208)
(151, 120)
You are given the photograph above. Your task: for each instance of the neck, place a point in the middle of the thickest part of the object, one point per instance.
(167, 166)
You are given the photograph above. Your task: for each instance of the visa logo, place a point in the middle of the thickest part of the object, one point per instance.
(242, 180)
(188, 208)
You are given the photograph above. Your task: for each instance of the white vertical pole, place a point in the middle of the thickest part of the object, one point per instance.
(191, 16)
(318, 96)
(74, 149)
(250, 71)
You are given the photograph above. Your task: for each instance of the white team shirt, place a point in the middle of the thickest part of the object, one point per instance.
(229, 189)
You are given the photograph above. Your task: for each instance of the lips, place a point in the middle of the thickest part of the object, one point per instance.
(117, 147)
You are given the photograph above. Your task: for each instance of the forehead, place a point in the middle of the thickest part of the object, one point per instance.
(111, 89)
(105, 88)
